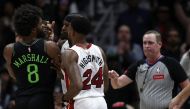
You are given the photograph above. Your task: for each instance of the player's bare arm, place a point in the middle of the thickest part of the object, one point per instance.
(118, 81)
(54, 52)
(8, 52)
(69, 64)
(105, 72)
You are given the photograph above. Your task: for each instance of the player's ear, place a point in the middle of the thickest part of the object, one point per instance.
(72, 31)
(33, 30)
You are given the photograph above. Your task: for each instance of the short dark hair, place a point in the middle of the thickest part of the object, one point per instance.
(26, 18)
(72, 16)
(81, 25)
(157, 34)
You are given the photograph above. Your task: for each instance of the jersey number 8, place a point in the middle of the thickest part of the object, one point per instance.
(33, 76)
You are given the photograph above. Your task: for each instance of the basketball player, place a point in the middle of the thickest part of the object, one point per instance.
(29, 61)
(66, 45)
(85, 64)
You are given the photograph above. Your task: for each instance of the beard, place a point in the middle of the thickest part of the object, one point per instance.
(64, 35)
(41, 34)
(174, 43)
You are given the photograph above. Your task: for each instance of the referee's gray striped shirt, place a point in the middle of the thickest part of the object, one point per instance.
(156, 82)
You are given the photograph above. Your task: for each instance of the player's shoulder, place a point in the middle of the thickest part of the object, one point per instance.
(70, 52)
(50, 43)
(8, 49)
(9, 46)
(51, 48)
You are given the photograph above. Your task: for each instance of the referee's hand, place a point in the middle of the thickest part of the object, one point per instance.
(112, 74)
(175, 103)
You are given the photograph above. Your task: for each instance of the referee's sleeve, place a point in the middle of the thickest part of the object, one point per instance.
(176, 71)
(131, 71)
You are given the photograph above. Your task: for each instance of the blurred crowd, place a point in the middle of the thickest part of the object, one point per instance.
(118, 27)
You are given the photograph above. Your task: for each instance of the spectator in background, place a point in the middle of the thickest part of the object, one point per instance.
(136, 18)
(185, 21)
(47, 8)
(163, 21)
(173, 43)
(126, 52)
(6, 27)
(61, 11)
(7, 89)
(185, 62)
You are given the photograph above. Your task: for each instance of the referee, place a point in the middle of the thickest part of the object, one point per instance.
(155, 76)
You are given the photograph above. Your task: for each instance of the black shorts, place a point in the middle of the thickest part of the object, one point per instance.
(36, 101)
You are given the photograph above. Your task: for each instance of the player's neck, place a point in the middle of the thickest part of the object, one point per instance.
(26, 39)
(81, 43)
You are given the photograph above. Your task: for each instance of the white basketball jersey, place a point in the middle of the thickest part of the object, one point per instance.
(64, 81)
(90, 63)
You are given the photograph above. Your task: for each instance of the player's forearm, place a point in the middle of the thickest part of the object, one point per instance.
(72, 91)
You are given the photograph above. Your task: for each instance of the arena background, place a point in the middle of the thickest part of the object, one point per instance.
(122, 44)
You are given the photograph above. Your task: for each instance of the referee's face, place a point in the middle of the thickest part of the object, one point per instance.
(151, 47)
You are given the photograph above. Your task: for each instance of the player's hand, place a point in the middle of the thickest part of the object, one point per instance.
(48, 28)
(112, 74)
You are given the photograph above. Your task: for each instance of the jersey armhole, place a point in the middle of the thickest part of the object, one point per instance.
(45, 47)
(13, 50)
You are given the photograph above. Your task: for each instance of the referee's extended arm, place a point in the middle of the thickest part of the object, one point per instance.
(118, 81)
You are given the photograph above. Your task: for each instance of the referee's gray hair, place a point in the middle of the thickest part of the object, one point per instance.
(157, 34)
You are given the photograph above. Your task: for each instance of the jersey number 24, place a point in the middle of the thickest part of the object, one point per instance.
(96, 79)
